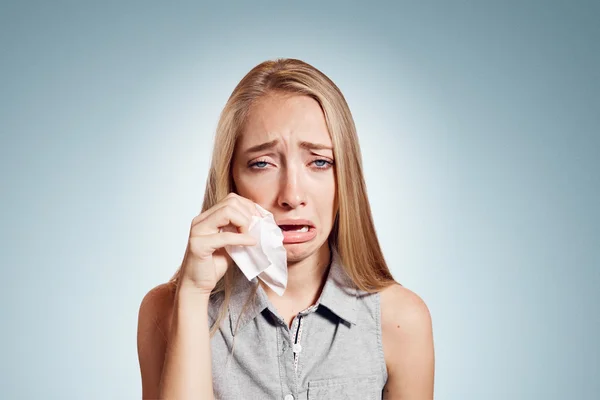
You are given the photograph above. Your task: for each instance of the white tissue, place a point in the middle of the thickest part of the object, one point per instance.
(268, 258)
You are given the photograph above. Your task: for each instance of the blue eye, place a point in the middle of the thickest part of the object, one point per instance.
(262, 164)
(319, 164)
(323, 164)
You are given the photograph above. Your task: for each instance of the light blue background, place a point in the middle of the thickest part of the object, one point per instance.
(479, 125)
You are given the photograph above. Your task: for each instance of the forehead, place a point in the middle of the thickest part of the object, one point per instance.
(287, 117)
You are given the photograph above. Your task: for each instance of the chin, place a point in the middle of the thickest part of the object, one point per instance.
(297, 251)
(300, 251)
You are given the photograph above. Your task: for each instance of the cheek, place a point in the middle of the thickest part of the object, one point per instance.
(254, 186)
(325, 196)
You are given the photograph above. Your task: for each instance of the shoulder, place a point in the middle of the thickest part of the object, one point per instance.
(159, 298)
(162, 293)
(155, 311)
(407, 342)
(152, 335)
(401, 306)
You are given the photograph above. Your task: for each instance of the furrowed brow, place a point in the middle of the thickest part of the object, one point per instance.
(262, 146)
(314, 146)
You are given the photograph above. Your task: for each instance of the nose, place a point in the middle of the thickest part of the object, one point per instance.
(291, 192)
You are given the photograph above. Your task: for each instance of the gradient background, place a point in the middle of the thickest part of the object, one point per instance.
(479, 126)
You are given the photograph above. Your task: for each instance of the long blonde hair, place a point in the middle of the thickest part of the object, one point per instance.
(353, 233)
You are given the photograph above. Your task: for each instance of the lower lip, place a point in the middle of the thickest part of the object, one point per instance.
(299, 237)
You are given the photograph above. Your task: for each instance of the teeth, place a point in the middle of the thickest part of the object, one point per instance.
(303, 228)
(295, 228)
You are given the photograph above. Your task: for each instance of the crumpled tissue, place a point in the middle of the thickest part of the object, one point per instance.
(268, 258)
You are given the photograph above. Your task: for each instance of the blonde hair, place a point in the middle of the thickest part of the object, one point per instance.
(353, 233)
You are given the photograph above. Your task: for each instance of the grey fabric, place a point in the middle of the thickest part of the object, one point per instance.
(341, 355)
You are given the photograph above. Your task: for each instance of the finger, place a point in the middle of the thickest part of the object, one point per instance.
(206, 245)
(233, 199)
(219, 219)
(247, 203)
(219, 206)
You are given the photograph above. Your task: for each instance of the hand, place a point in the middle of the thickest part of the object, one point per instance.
(205, 260)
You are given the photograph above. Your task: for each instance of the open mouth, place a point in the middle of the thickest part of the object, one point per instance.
(295, 228)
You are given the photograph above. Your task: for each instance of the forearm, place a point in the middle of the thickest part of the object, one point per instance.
(187, 371)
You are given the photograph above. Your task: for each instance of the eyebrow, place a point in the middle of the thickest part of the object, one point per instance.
(272, 143)
(262, 146)
(314, 146)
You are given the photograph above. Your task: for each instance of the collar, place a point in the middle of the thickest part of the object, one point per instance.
(339, 295)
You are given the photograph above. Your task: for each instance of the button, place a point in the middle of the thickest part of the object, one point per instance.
(289, 397)
(297, 347)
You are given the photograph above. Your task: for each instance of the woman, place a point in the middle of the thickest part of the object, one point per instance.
(343, 328)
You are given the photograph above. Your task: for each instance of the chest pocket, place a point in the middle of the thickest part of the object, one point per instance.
(363, 388)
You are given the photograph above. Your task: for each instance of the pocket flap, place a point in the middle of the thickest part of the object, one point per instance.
(361, 387)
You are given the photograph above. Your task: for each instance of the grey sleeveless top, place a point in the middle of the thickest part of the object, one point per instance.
(333, 350)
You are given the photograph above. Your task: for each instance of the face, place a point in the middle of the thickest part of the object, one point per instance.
(284, 163)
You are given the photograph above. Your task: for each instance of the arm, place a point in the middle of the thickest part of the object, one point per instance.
(188, 368)
(179, 365)
(174, 345)
(408, 345)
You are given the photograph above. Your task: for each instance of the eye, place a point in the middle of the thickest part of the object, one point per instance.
(259, 164)
(323, 164)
